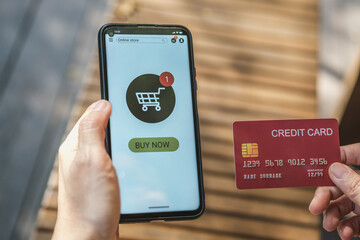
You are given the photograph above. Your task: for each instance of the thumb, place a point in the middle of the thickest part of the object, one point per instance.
(92, 126)
(347, 180)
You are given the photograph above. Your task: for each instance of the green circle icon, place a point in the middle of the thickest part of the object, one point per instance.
(148, 100)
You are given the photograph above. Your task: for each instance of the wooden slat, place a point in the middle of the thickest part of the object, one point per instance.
(233, 76)
(250, 226)
(265, 10)
(230, 18)
(261, 13)
(220, 62)
(256, 36)
(156, 232)
(227, 118)
(204, 45)
(254, 99)
(256, 44)
(42, 235)
(289, 8)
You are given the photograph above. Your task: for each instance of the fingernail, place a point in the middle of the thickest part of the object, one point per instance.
(339, 170)
(100, 105)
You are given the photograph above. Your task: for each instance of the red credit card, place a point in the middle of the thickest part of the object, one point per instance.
(285, 153)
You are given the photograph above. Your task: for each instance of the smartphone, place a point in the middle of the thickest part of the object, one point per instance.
(147, 73)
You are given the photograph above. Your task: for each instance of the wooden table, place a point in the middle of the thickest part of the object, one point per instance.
(255, 59)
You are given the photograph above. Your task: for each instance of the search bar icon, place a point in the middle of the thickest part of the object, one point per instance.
(141, 40)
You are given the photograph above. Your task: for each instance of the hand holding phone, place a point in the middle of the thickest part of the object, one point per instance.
(88, 191)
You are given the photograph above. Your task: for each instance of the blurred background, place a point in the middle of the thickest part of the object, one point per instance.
(255, 59)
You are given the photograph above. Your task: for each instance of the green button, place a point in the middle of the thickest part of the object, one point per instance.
(160, 144)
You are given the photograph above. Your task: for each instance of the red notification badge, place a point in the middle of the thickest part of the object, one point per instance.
(285, 153)
(166, 79)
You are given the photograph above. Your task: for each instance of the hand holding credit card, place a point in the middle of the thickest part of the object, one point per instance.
(285, 153)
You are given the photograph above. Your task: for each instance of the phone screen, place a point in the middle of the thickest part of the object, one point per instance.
(153, 144)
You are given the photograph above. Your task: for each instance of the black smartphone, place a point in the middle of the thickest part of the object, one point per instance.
(147, 73)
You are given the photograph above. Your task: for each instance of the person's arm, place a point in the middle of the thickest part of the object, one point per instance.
(89, 197)
(344, 198)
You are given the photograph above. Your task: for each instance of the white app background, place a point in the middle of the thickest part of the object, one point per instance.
(156, 178)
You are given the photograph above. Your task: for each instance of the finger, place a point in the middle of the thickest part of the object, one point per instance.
(349, 228)
(322, 198)
(350, 154)
(346, 180)
(337, 210)
(92, 126)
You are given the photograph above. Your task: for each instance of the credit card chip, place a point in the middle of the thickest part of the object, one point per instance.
(250, 150)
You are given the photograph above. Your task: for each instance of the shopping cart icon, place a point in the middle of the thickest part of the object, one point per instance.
(149, 99)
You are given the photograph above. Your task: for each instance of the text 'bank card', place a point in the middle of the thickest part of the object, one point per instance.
(285, 153)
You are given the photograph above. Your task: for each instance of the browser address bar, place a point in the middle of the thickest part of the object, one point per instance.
(141, 40)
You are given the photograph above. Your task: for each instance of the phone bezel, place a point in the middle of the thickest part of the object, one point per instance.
(167, 216)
